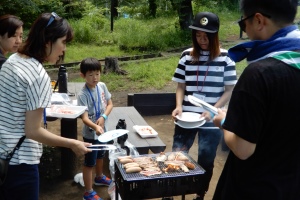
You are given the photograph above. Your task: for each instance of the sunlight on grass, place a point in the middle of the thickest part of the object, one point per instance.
(154, 74)
(77, 52)
(141, 75)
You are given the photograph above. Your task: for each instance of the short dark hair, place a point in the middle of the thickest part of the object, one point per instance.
(9, 24)
(40, 34)
(213, 46)
(90, 64)
(281, 11)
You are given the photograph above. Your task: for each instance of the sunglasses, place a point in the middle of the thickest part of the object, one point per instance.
(52, 18)
(242, 23)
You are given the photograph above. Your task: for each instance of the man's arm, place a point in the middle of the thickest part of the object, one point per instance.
(240, 147)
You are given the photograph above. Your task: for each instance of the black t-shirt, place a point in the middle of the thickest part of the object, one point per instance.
(264, 109)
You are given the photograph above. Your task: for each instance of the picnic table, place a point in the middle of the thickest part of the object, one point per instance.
(133, 117)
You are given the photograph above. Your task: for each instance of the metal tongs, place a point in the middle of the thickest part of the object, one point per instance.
(203, 104)
(98, 147)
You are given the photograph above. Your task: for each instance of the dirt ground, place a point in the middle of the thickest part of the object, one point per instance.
(52, 186)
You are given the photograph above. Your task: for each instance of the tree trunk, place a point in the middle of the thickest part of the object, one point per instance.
(152, 8)
(185, 12)
(111, 65)
(115, 4)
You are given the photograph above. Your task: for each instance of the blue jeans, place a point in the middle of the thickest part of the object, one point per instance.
(22, 182)
(208, 141)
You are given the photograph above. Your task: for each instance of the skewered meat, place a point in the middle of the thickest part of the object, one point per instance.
(184, 168)
(150, 173)
(171, 168)
(177, 156)
(162, 157)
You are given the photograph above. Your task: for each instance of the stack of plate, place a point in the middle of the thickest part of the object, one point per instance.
(189, 120)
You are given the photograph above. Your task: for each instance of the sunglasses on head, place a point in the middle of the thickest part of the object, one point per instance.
(242, 23)
(52, 18)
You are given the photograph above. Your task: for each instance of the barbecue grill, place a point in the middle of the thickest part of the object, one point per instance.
(135, 186)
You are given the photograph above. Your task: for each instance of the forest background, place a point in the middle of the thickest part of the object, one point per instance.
(119, 28)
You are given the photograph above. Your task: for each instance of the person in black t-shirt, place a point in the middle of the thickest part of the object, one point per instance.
(260, 123)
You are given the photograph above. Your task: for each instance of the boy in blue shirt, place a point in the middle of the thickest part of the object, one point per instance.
(96, 97)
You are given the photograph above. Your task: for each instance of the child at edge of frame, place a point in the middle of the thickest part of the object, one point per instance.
(96, 97)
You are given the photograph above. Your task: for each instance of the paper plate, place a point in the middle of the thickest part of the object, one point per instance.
(110, 135)
(189, 117)
(189, 125)
(145, 131)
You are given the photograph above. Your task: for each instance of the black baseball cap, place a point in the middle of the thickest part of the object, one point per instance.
(207, 22)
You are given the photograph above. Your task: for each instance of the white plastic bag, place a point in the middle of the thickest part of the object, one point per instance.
(78, 178)
(112, 191)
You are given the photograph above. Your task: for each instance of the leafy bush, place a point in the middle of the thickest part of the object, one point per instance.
(150, 35)
(87, 29)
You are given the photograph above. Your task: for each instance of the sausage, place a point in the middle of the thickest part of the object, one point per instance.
(122, 157)
(133, 170)
(131, 164)
(126, 160)
(189, 165)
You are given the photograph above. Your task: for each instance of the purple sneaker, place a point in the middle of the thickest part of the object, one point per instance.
(91, 196)
(102, 181)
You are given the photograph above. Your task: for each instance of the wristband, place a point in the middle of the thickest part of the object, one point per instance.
(104, 116)
(222, 122)
(211, 115)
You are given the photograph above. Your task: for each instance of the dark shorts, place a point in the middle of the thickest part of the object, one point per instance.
(91, 157)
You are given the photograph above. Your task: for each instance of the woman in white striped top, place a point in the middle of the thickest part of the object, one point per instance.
(206, 72)
(25, 92)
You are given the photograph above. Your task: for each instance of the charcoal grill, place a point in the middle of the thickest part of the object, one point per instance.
(135, 186)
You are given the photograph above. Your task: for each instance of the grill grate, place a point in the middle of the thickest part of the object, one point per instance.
(137, 176)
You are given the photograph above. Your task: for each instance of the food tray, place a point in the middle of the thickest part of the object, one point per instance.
(64, 111)
(145, 131)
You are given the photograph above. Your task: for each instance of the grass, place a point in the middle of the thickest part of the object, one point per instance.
(155, 73)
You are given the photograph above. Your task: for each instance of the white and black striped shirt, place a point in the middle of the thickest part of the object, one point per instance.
(24, 86)
(204, 77)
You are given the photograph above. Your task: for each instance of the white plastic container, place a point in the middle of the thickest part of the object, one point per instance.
(65, 111)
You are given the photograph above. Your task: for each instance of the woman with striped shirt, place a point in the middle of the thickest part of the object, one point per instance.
(206, 72)
(25, 92)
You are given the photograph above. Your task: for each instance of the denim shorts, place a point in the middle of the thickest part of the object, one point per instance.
(91, 157)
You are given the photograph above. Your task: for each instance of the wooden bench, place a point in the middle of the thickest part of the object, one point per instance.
(152, 103)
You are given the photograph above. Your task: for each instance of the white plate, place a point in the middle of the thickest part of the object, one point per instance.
(145, 131)
(110, 135)
(201, 103)
(189, 125)
(65, 111)
(189, 117)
